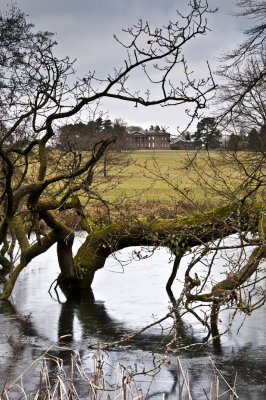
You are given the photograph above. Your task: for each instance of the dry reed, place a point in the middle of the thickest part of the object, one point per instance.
(74, 383)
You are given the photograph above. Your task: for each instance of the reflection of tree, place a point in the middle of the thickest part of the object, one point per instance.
(97, 323)
(13, 339)
(92, 315)
(23, 322)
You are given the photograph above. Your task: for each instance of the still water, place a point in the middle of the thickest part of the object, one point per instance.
(125, 296)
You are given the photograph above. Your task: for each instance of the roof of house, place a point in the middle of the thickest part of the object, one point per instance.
(148, 133)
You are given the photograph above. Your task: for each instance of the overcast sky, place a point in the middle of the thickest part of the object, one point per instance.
(84, 30)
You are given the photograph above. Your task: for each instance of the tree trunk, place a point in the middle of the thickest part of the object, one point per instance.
(178, 235)
(65, 257)
(64, 238)
(215, 318)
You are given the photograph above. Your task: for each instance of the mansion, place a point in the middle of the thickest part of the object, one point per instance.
(148, 140)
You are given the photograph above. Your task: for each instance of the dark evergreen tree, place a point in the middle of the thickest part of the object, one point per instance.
(256, 140)
(235, 142)
(207, 133)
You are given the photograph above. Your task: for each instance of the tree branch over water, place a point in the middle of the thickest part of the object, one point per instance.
(39, 180)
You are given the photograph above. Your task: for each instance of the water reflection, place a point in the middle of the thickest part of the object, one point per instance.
(94, 322)
(120, 304)
(92, 315)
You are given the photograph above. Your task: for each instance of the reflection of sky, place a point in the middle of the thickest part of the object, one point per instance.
(131, 293)
(137, 290)
(31, 293)
(127, 300)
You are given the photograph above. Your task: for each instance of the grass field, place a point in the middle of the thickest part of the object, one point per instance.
(141, 179)
(162, 183)
(164, 175)
(168, 176)
(168, 181)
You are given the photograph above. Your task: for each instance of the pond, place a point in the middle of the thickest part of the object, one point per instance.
(125, 297)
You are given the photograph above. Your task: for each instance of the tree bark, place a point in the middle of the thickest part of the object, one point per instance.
(174, 272)
(65, 257)
(178, 235)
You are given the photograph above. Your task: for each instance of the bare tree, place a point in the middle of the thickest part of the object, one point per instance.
(243, 71)
(38, 184)
(38, 94)
(234, 233)
(234, 179)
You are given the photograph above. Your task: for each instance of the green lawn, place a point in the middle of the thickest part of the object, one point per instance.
(137, 181)
(146, 176)
(164, 176)
(213, 177)
(163, 183)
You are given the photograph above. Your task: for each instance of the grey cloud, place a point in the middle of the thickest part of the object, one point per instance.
(85, 31)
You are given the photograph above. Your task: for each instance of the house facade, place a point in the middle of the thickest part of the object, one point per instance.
(148, 140)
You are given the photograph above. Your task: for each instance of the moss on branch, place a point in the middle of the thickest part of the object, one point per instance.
(19, 229)
(178, 235)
